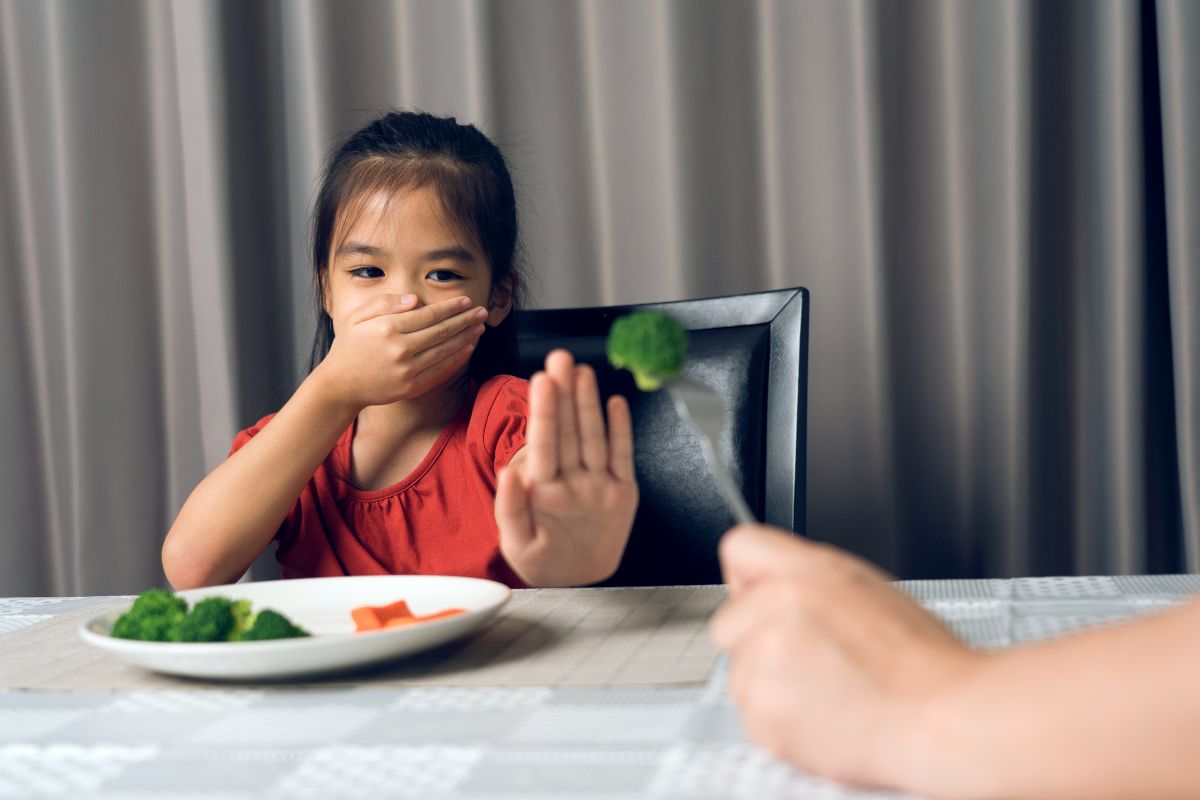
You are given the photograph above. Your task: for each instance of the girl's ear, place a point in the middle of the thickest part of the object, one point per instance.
(499, 304)
(325, 299)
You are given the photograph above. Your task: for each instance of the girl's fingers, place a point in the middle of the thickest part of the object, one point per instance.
(427, 316)
(437, 354)
(561, 367)
(440, 369)
(593, 447)
(513, 515)
(421, 339)
(382, 304)
(620, 439)
(542, 437)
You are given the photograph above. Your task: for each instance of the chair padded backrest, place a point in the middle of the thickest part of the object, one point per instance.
(752, 349)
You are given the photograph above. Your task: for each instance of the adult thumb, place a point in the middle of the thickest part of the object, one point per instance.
(750, 553)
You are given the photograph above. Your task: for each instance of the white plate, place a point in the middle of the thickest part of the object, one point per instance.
(322, 607)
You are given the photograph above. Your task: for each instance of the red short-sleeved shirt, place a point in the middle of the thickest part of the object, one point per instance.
(437, 521)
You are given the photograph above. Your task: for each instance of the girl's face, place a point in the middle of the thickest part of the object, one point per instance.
(404, 244)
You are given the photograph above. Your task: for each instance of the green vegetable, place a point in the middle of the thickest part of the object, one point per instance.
(243, 618)
(650, 344)
(210, 620)
(159, 616)
(155, 617)
(268, 624)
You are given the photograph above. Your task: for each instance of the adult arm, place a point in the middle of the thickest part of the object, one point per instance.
(839, 672)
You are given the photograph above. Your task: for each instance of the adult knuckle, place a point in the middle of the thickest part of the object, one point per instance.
(791, 594)
(770, 642)
(839, 562)
(775, 644)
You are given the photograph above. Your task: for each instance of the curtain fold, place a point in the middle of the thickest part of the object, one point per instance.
(1179, 63)
(994, 206)
(1110, 306)
(207, 230)
(34, 519)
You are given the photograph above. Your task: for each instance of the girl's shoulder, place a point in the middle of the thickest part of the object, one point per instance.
(500, 388)
(499, 416)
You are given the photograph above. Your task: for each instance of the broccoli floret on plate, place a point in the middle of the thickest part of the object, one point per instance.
(268, 624)
(650, 344)
(159, 616)
(243, 618)
(210, 620)
(156, 616)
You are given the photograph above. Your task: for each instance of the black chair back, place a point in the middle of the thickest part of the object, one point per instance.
(752, 349)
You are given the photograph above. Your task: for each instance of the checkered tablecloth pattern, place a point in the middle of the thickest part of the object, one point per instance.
(528, 743)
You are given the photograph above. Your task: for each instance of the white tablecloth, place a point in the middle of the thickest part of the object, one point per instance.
(661, 742)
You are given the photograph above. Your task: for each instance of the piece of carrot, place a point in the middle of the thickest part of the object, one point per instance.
(369, 618)
(449, 612)
(397, 609)
(397, 622)
(366, 619)
(394, 615)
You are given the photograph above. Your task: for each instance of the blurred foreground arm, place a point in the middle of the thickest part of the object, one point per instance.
(847, 677)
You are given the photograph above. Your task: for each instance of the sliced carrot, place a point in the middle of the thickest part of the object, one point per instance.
(366, 619)
(449, 612)
(397, 609)
(369, 618)
(401, 621)
(394, 615)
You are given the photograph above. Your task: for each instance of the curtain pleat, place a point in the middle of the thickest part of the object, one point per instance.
(206, 194)
(33, 516)
(178, 336)
(1109, 303)
(994, 206)
(306, 98)
(1178, 31)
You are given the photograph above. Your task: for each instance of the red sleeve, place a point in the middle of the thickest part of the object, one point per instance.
(507, 401)
(242, 437)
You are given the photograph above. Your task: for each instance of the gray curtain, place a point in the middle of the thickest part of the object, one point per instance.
(994, 204)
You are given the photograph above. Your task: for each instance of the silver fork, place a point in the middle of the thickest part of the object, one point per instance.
(705, 410)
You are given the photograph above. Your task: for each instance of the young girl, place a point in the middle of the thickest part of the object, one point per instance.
(397, 454)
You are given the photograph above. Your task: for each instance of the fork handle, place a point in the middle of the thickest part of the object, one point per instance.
(737, 503)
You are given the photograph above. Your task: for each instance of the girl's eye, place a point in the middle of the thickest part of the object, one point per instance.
(444, 276)
(367, 272)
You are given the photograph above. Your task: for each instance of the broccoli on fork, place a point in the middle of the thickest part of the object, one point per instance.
(650, 344)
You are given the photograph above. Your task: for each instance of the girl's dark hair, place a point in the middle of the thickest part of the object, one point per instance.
(409, 150)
